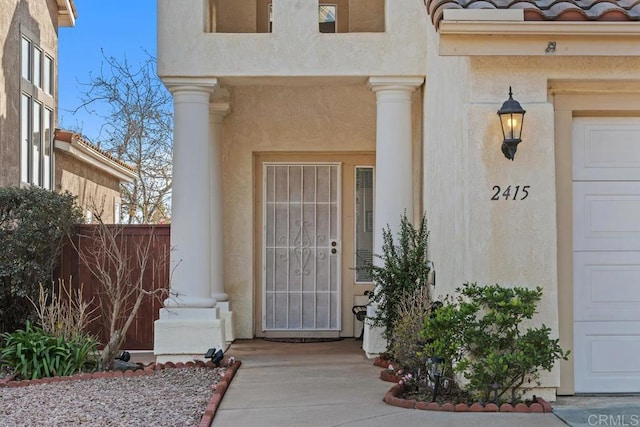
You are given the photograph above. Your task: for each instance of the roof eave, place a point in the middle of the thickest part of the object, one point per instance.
(96, 159)
(66, 13)
(538, 38)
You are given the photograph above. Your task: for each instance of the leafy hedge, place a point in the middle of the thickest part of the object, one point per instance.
(484, 335)
(33, 225)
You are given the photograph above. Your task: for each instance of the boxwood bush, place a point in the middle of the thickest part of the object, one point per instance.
(484, 335)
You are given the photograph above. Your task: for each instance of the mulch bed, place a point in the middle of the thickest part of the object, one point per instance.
(209, 412)
(394, 397)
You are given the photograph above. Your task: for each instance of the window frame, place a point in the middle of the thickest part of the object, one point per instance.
(38, 95)
(365, 219)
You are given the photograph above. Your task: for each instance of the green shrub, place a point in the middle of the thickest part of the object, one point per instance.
(32, 353)
(481, 336)
(404, 268)
(33, 225)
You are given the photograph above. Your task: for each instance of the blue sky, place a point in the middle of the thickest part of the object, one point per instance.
(120, 28)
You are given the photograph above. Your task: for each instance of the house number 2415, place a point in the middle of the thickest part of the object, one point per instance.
(511, 192)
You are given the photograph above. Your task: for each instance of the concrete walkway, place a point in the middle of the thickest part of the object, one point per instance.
(330, 384)
(609, 410)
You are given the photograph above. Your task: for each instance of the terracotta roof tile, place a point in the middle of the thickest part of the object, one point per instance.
(547, 10)
(70, 136)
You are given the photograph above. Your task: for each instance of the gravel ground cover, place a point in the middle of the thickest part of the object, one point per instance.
(169, 397)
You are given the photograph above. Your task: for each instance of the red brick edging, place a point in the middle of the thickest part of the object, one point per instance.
(218, 394)
(391, 398)
(389, 376)
(381, 363)
(209, 412)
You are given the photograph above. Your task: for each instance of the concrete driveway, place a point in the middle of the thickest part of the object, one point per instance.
(330, 384)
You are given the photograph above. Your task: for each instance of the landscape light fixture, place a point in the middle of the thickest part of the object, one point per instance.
(125, 356)
(511, 117)
(436, 370)
(215, 356)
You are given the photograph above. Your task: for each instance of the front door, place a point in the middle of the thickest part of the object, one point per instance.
(301, 258)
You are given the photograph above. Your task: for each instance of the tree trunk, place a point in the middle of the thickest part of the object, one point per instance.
(111, 350)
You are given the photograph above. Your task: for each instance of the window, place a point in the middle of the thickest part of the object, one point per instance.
(36, 113)
(25, 125)
(363, 221)
(116, 212)
(26, 59)
(327, 17)
(48, 75)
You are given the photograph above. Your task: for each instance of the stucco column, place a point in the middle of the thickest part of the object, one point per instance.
(394, 152)
(190, 206)
(190, 322)
(217, 111)
(394, 171)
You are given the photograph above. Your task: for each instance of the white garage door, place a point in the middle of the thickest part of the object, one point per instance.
(606, 260)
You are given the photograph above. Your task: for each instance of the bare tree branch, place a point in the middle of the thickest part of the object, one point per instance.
(137, 129)
(119, 269)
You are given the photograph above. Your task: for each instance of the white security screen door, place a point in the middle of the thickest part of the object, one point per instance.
(301, 253)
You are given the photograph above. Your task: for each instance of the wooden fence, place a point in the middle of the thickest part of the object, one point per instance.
(71, 267)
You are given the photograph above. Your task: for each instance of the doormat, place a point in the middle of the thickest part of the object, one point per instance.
(302, 340)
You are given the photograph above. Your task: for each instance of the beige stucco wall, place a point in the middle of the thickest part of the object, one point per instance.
(236, 16)
(446, 89)
(295, 48)
(40, 19)
(509, 242)
(367, 15)
(96, 190)
(333, 119)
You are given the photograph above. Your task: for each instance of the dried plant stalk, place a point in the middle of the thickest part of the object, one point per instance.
(64, 313)
(119, 270)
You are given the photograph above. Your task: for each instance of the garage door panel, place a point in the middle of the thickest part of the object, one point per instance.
(606, 355)
(606, 216)
(606, 254)
(606, 149)
(607, 286)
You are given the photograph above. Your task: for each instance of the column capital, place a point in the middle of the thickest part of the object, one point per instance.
(395, 83)
(219, 110)
(203, 84)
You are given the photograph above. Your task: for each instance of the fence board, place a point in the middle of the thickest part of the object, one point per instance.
(140, 334)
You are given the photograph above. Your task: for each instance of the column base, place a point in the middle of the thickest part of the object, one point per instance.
(373, 342)
(182, 333)
(227, 315)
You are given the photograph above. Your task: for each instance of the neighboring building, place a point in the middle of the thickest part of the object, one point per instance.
(28, 113)
(28, 88)
(92, 175)
(279, 127)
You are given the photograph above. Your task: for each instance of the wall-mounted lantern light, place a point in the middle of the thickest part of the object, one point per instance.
(511, 117)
